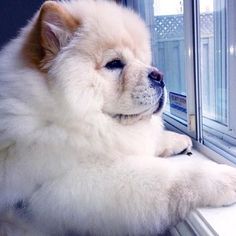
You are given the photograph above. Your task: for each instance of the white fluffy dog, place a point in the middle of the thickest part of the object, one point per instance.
(81, 135)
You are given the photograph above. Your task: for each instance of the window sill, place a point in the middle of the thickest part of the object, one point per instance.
(207, 221)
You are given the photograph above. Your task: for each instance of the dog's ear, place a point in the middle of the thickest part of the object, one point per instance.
(57, 27)
(53, 30)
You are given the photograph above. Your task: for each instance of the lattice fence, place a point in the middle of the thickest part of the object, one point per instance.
(206, 24)
(172, 26)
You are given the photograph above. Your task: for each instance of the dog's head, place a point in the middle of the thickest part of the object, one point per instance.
(96, 57)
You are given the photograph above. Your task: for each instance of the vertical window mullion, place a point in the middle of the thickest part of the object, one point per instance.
(189, 67)
(197, 71)
(231, 52)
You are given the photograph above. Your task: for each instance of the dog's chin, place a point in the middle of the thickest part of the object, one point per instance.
(128, 119)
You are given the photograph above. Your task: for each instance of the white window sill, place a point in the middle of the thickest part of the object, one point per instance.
(206, 221)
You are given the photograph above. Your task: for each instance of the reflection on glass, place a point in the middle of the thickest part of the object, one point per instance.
(213, 60)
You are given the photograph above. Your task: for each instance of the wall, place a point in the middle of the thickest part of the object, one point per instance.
(14, 14)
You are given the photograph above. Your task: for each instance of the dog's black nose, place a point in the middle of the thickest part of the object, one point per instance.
(156, 78)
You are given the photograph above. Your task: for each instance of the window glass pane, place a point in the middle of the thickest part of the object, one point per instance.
(213, 61)
(167, 30)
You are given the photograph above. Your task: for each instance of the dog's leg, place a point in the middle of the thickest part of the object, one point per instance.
(135, 196)
(173, 143)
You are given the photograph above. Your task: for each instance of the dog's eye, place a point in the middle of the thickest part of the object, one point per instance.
(115, 64)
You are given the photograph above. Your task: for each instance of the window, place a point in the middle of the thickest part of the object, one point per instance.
(194, 44)
(214, 74)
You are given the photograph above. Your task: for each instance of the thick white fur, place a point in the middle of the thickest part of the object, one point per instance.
(78, 169)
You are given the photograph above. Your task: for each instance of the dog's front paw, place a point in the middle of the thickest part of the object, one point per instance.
(176, 144)
(224, 186)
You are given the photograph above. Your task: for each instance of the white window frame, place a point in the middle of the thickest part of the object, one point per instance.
(220, 138)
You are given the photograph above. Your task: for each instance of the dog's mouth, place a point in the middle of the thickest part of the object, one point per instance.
(132, 118)
(161, 103)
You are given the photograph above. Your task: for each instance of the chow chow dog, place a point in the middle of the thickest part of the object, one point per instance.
(82, 146)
